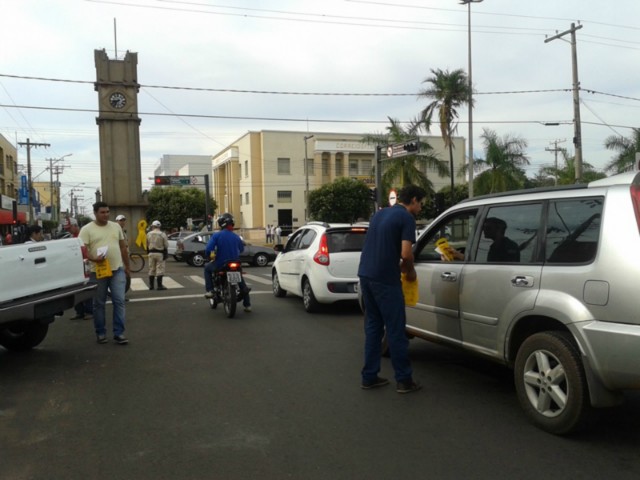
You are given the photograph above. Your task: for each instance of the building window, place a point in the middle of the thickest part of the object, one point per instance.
(366, 167)
(353, 167)
(284, 196)
(240, 199)
(325, 167)
(310, 169)
(284, 166)
(246, 198)
(339, 166)
(246, 168)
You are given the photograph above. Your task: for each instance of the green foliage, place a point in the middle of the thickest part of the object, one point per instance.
(343, 201)
(626, 149)
(566, 175)
(173, 205)
(408, 170)
(502, 168)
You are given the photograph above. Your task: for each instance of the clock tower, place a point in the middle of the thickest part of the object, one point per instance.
(119, 133)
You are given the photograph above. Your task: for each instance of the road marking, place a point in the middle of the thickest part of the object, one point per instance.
(253, 278)
(196, 278)
(138, 284)
(170, 283)
(182, 297)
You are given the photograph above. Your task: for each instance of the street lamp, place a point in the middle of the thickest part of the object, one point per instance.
(306, 174)
(468, 4)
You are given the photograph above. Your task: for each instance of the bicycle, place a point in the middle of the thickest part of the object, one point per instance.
(136, 262)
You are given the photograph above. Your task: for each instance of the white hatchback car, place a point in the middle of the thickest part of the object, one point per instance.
(320, 263)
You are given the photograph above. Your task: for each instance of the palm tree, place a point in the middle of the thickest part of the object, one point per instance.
(567, 175)
(409, 169)
(501, 169)
(448, 92)
(626, 148)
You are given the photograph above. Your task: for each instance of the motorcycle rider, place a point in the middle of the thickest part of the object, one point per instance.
(227, 246)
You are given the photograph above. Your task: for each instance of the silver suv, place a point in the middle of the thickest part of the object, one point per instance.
(545, 281)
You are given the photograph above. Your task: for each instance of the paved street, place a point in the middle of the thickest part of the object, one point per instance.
(272, 394)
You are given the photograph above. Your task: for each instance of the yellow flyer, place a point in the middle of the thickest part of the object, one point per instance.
(103, 269)
(410, 291)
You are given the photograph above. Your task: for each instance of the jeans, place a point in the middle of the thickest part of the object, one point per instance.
(209, 272)
(116, 284)
(384, 309)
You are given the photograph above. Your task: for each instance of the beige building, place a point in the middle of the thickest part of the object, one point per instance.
(9, 179)
(261, 179)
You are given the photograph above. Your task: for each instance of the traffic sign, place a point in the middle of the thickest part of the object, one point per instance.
(403, 149)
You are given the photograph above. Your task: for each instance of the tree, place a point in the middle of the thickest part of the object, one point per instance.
(173, 205)
(566, 175)
(410, 169)
(501, 169)
(626, 148)
(448, 92)
(345, 200)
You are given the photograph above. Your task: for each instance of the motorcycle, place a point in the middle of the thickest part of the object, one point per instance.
(226, 288)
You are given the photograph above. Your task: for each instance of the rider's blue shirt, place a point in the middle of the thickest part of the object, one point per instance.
(227, 246)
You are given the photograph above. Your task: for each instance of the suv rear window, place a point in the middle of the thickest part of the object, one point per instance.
(346, 240)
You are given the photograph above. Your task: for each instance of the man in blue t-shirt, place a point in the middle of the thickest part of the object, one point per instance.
(227, 247)
(386, 253)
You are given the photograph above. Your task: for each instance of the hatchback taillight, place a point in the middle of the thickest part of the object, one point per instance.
(322, 255)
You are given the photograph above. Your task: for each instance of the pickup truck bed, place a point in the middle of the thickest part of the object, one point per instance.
(39, 281)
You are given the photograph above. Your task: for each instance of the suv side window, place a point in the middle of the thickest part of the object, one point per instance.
(456, 228)
(573, 230)
(509, 234)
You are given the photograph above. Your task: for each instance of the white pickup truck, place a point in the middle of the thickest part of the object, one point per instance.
(37, 282)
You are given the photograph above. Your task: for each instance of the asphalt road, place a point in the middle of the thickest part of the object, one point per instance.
(272, 394)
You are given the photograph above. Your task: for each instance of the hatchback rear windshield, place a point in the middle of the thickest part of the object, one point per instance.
(346, 240)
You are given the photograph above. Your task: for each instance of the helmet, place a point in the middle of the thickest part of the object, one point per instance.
(156, 223)
(225, 220)
(120, 217)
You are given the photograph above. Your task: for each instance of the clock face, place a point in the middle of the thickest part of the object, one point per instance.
(117, 100)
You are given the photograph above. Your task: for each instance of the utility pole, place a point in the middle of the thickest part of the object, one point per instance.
(59, 169)
(577, 125)
(28, 144)
(555, 150)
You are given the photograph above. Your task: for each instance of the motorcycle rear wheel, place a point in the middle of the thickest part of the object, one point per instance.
(230, 300)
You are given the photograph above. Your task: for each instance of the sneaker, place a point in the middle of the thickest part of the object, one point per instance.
(378, 382)
(102, 339)
(208, 295)
(247, 309)
(89, 316)
(121, 339)
(408, 387)
(77, 317)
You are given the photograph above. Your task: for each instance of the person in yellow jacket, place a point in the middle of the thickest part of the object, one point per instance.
(157, 248)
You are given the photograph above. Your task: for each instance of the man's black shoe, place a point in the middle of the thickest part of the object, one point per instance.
(120, 339)
(408, 387)
(378, 382)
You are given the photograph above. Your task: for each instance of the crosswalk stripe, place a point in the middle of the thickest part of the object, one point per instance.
(257, 279)
(138, 284)
(170, 283)
(196, 278)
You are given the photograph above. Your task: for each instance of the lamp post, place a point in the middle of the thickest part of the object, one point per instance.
(306, 174)
(468, 4)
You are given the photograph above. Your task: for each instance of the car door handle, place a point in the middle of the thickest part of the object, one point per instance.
(522, 281)
(449, 276)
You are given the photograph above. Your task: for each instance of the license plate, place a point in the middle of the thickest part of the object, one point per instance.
(356, 287)
(234, 277)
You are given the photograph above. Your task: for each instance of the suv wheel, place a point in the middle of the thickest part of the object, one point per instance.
(551, 383)
(275, 284)
(197, 260)
(311, 305)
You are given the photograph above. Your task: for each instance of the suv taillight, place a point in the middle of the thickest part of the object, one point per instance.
(85, 261)
(322, 255)
(635, 199)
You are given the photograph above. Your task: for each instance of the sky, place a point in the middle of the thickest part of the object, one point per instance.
(330, 66)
